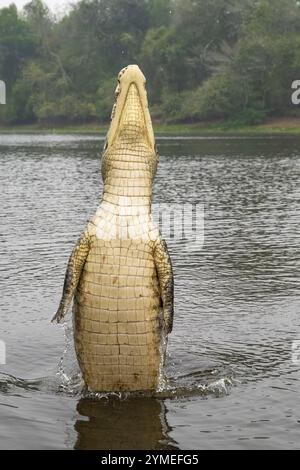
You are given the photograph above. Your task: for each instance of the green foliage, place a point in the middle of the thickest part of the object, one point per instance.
(249, 116)
(105, 98)
(16, 44)
(160, 12)
(172, 107)
(229, 60)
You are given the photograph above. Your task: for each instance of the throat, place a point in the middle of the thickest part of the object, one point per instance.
(137, 196)
(125, 212)
(128, 184)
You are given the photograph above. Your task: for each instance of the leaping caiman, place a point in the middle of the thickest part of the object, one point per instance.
(120, 272)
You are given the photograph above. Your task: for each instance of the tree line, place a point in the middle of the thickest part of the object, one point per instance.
(231, 60)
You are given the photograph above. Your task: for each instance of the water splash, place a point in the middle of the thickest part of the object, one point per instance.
(67, 378)
(217, 388)
(162, 379)
(68, 375)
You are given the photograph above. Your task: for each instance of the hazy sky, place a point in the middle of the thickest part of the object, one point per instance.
(54, 5)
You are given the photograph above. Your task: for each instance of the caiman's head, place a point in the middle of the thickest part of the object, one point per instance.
(130, 137)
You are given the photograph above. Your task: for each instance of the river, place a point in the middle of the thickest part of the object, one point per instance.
(233, 363)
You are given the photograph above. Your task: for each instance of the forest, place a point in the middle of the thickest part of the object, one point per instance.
(205, 60)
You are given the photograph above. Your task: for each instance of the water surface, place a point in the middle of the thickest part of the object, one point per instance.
(231, 381)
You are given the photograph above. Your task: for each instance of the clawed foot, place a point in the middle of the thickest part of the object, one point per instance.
(58, 317)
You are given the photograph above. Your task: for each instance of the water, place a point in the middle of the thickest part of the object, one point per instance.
(232, 379)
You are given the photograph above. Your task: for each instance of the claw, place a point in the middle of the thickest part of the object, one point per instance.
(57, 317)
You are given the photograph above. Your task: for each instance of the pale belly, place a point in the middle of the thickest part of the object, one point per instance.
(117, 324)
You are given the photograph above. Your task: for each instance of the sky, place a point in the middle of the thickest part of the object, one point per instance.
(54, 5)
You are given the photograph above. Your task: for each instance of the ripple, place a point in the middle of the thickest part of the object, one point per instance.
(236, 298)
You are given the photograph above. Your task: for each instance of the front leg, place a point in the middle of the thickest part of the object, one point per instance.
(166, 282)
(74, 268)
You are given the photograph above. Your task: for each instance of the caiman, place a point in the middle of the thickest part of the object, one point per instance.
(120, 272)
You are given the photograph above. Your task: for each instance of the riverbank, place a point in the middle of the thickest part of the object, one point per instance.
(274, 126)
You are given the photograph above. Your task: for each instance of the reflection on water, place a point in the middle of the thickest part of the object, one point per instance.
(136, 423)
(230, 378)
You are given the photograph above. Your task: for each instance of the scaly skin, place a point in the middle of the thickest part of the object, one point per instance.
(120, 272)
